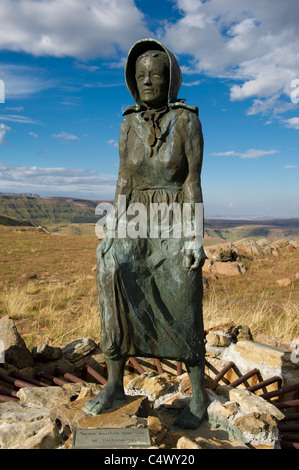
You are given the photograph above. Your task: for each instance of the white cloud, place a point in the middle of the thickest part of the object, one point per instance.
(17, 118)
(76, 28)
(194, 83)
(251, 153)
(3, 131)
(103, 85)
(112, 142)
(87, 68)
(292, 122)
(253, 44)
(224, 154)
(22, 81)
(59, 181)
(291, 166)
(33, 134)
(117, 64)
(14, 108)
(243, 27)
(273, 105)
(254, 153)
(65, 136)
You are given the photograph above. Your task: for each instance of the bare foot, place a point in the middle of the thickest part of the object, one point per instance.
(193, 415)
(108, 398)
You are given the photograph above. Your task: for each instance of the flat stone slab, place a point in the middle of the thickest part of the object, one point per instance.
(263, 353)
(132, 414)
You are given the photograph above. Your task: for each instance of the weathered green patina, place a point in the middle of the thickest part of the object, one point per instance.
(150, 288)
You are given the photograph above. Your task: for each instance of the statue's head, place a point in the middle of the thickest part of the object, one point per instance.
(153, 75)
(152, 78)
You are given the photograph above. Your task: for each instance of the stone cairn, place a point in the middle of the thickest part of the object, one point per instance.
(42, 393)
(229, 259)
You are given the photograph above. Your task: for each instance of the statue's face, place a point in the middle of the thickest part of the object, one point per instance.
(152, 81)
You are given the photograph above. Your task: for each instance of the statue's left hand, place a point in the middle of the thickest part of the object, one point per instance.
(194, 258)
(104, 246)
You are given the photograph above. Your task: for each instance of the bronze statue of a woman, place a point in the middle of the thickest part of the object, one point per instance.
(150, 288)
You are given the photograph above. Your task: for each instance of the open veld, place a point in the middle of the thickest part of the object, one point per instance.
(232, 230)
(77, 216)
(49, 211)
(48, 287)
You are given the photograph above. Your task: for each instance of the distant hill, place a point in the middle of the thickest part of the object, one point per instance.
(233, 230)
(12, 222)
(49, 211)
(230, 223)
(20, 194)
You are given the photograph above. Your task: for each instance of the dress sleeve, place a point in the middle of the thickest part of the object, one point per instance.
(123, 186)
(194, 153)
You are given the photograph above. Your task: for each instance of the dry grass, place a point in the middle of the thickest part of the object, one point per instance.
(53, 313)
(255, 299)
(60, 304)
(263, 316)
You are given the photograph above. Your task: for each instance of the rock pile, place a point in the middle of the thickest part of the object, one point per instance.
(226, 342)
(223, 259)
(46, 417)
(227, 258)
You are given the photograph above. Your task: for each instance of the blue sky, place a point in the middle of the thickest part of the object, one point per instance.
(62, 64)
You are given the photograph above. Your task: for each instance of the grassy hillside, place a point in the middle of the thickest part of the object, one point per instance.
(69, 215)
(49, 211)
(232, 230)
(12, 222)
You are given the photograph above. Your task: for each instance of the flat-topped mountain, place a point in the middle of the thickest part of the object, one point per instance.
(51, 211)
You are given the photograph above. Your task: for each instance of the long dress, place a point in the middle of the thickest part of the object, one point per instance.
(150, 304)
